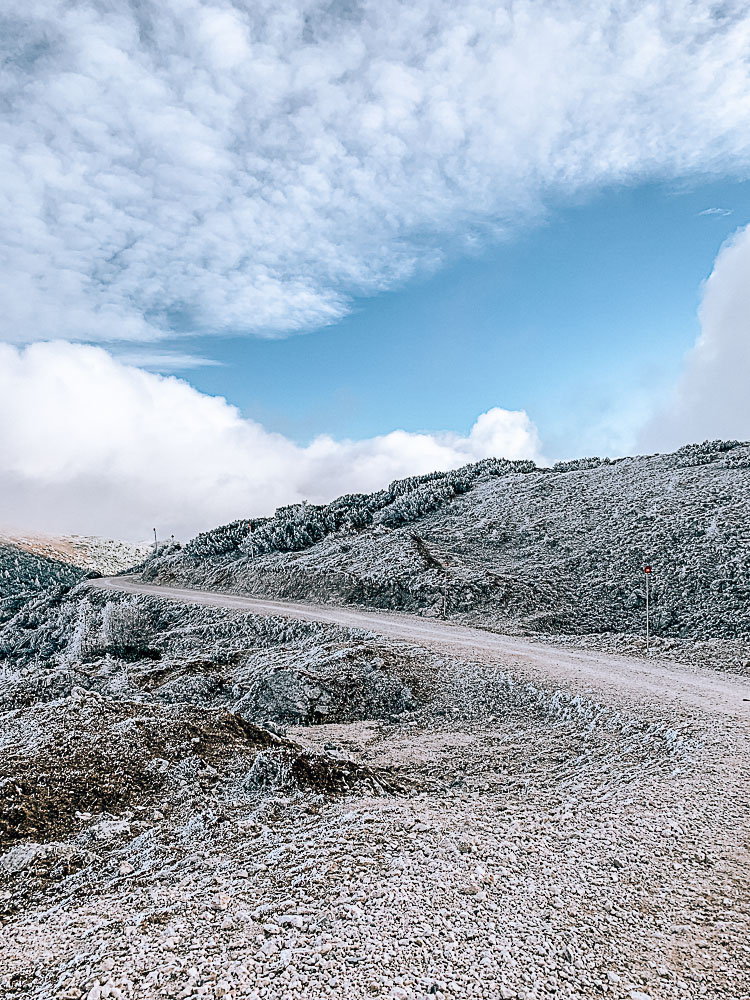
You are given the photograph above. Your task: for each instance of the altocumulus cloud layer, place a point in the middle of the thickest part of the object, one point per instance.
(245, 166)
(107, 448)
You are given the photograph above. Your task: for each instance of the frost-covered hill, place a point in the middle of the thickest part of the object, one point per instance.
(33, 566)
(313, 810)
(102, 555)
(507, 545)
(25, 575)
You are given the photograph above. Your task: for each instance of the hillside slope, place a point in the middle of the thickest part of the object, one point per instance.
(510, 546)
(200, 800)
(35, 566)
(26, 575)
(88, 552)
(429, 827)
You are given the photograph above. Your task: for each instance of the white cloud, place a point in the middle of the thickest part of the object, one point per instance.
(165, 361)
(716, 211)
(208, 165)
(712, 395)
(90, 445)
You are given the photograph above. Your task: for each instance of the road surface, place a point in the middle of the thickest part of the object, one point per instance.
(606, 675)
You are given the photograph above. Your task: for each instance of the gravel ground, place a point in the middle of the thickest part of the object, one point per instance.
(715, 654)
(541, 845)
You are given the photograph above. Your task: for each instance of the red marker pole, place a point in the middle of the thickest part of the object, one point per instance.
(647, 571)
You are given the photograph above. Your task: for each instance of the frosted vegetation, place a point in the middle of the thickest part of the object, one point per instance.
(33, 565)
(267, 669)
(294, 528)
(510, 546)
(25, 575)
(87, 552)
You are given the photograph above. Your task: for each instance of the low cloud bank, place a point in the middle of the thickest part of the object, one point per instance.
(91, 445)
(711, 398)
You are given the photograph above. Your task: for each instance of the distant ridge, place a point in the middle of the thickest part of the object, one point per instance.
(33, 565)
(88, 552)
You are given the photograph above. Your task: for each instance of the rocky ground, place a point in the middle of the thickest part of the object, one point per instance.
(209, 796)
(482, 837)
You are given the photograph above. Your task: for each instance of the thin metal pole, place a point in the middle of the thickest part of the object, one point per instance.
(647, 611)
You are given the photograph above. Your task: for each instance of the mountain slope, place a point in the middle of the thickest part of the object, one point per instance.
(35, 566)
(429, 826)
(89, 552)
(510, 546)
(25, 575)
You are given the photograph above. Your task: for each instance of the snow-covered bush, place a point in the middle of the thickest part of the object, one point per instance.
(26, 575)
(576, 464)
(85, 640)
(299, 526)
(126, 628)
(703, 453)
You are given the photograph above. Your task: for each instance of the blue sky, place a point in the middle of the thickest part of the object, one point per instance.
(570, 319)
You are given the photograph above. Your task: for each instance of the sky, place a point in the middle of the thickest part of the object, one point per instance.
(574, 319)
(255, 253)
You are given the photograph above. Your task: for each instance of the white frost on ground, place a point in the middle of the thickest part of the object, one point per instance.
(536, 842)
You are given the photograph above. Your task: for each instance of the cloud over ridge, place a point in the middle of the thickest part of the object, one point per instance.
(711, 398)
(216, 166)
(91, 445)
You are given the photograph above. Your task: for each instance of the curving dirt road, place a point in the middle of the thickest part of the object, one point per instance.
(650, 681)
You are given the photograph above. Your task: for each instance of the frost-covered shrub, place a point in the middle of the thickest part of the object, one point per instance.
(26, 575)
(415, 504)
(577, 464)
(218, 541)
(270, 770)
(434, 491)
(126, 628)
(718, 445)
(703, 453)
(324, 683)
(121, 627)
(399, 487)
(85, 640)
(297, 527)
(708, 447)
(290, 529)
